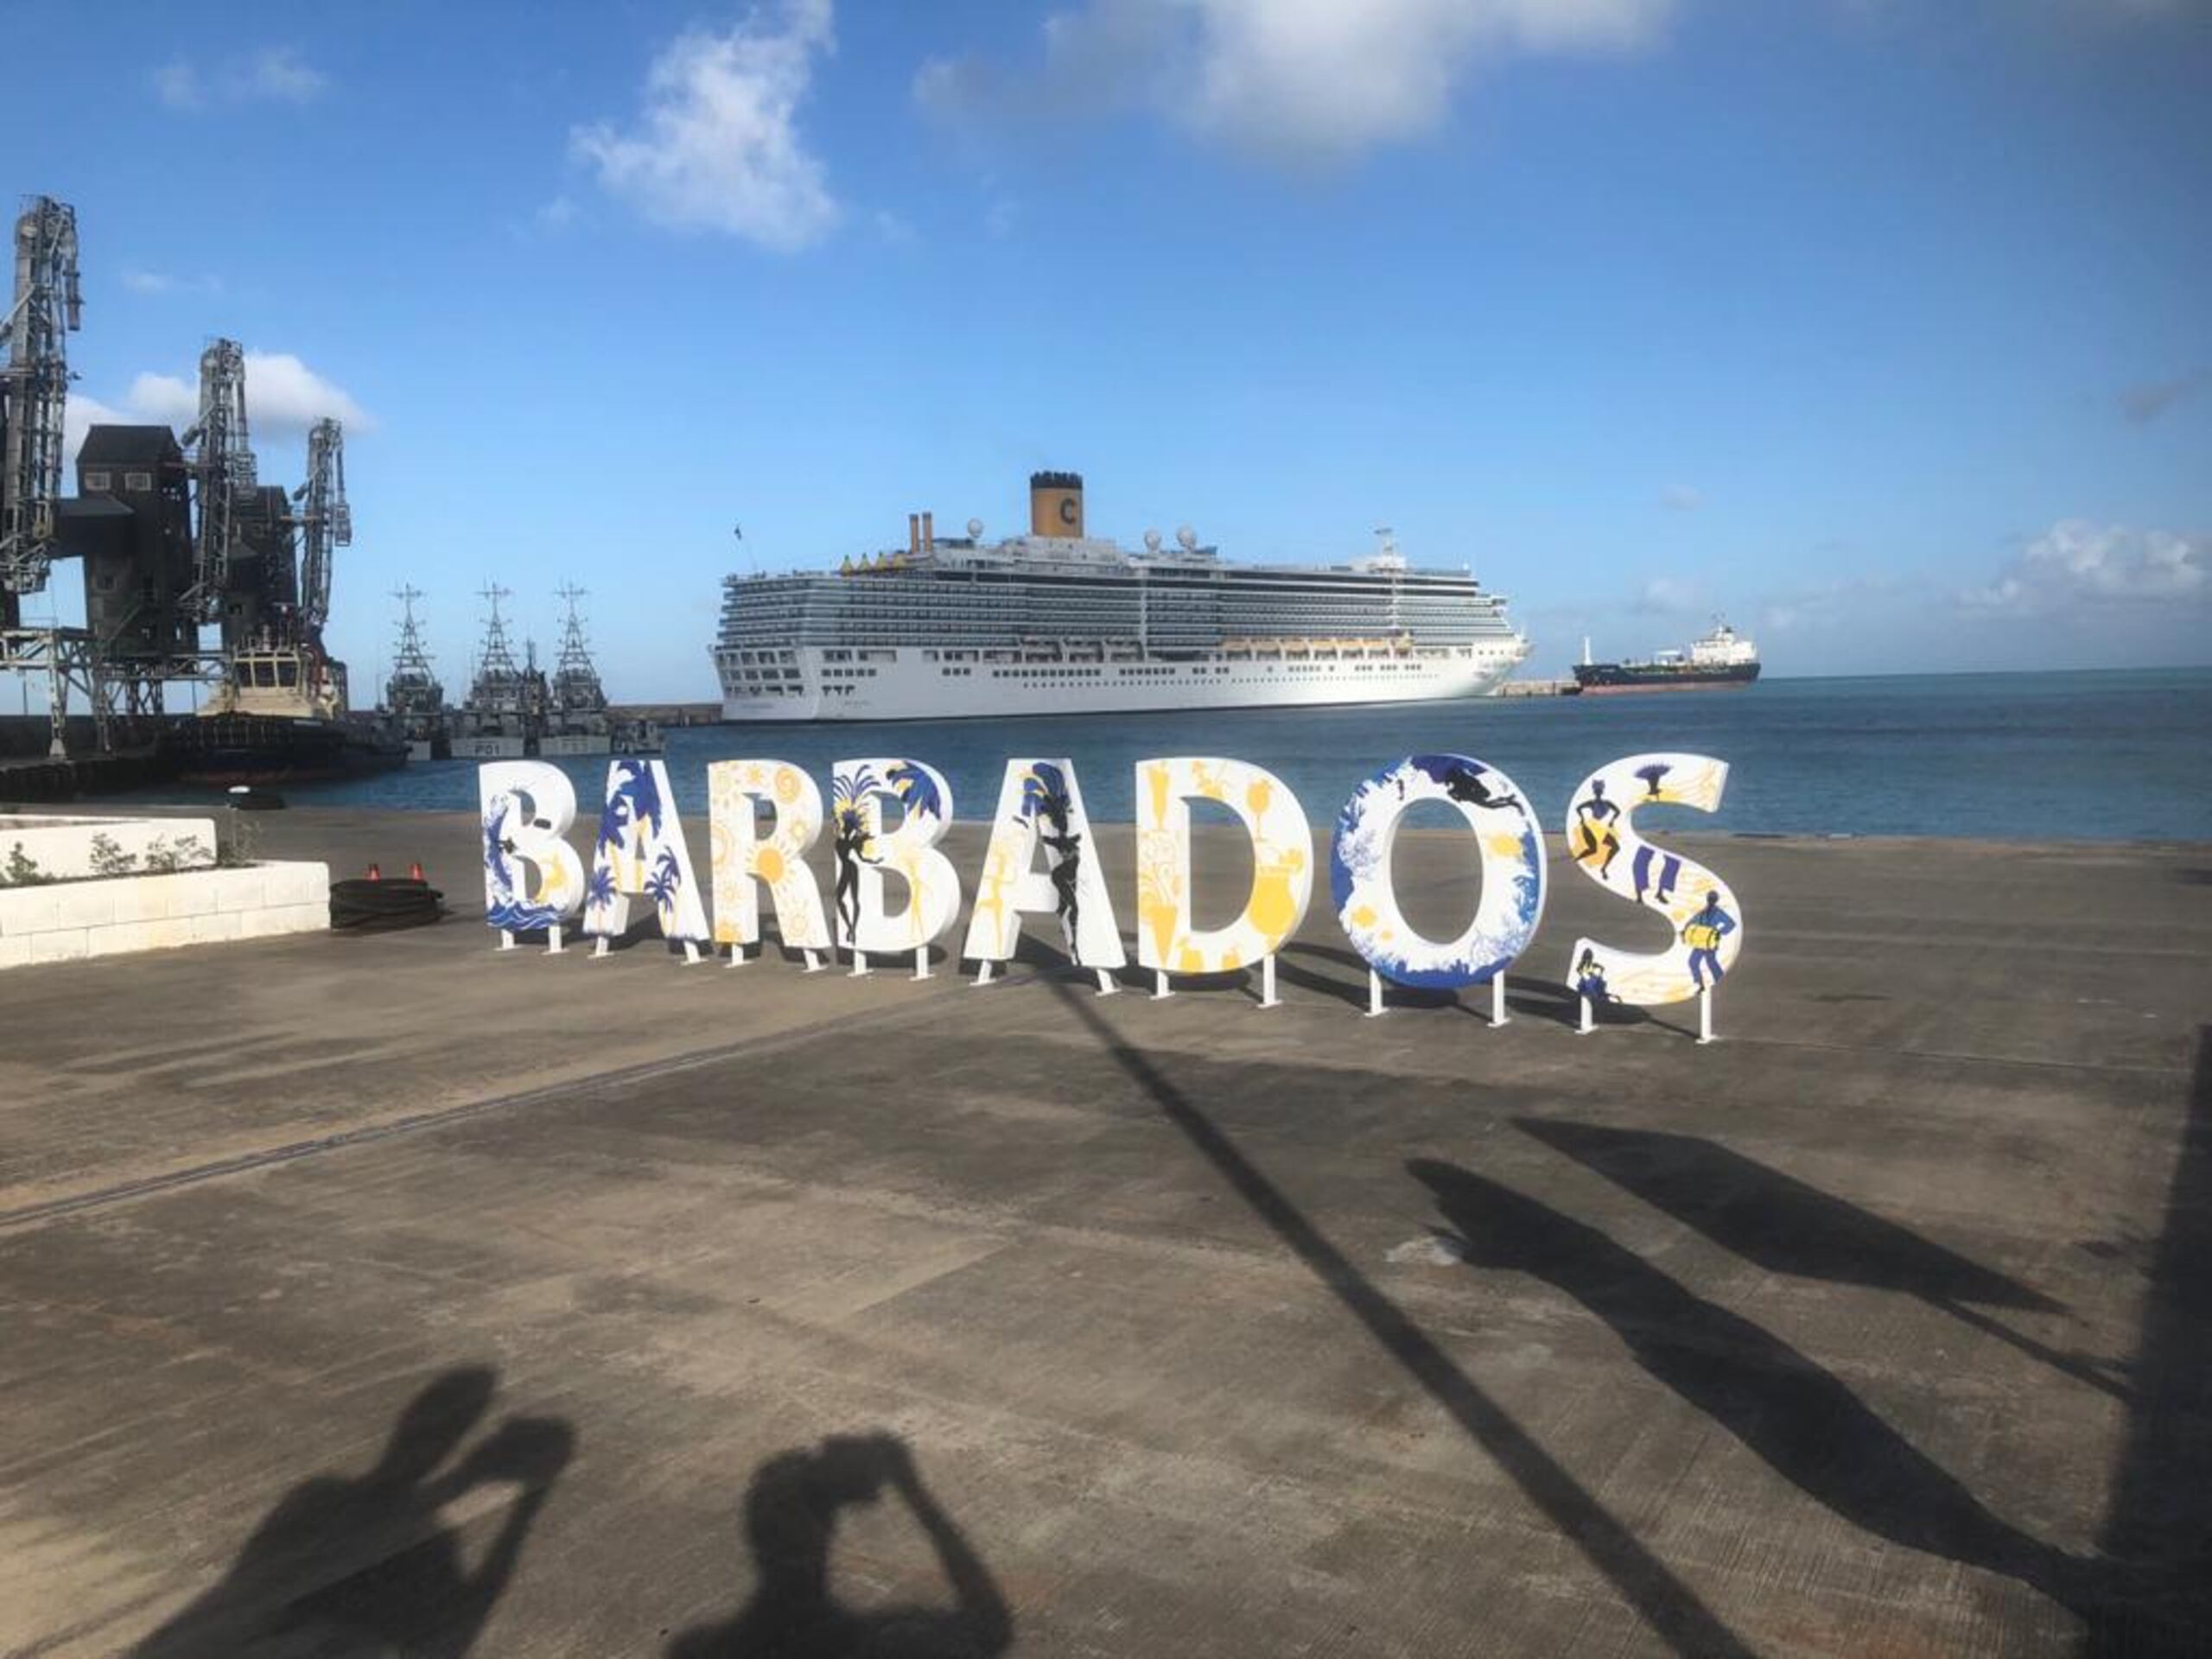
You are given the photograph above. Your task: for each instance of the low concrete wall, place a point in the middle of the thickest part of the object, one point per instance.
(61, 844)
(70, 920)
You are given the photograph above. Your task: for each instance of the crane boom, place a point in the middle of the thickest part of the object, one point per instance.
(324, 519)
(34, 390)
(222, 464)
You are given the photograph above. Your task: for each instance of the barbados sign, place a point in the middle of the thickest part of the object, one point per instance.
(764, 816)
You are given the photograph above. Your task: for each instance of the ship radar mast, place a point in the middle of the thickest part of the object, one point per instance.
(1386, 556)
(496, 656)
(576, 677)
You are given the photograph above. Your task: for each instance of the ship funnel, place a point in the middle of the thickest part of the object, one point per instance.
(1055, 504)
(929, 532)
(913, 532)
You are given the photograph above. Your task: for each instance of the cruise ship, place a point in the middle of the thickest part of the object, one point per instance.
(1060, 622)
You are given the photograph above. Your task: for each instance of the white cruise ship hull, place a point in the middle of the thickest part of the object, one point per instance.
(908, 682)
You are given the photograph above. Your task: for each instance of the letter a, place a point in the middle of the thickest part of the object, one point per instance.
(1041, 804)
(640, 854)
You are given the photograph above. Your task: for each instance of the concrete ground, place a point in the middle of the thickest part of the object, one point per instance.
(391, 1295)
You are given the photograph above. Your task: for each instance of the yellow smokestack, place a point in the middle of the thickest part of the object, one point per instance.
(913, 532)
(1055, 504)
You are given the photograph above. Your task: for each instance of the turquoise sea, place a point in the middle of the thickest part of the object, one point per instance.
(2121, 755)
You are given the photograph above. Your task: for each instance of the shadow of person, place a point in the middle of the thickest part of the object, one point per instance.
(363, 1563)
(1794, 1415)
(1779, 1223)
(790, 1521)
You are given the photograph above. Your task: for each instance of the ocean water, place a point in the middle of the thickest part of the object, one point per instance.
(2121, 755)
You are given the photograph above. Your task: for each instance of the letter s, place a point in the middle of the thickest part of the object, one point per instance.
(1601, 838)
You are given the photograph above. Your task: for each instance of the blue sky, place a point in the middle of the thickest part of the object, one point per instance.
(1881, 327)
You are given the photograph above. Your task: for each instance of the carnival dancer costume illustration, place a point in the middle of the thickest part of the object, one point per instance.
(1045, 795)
(1703, 935)
(1670, 871)
(1590, 979)
(1594, 820)
(852, 853)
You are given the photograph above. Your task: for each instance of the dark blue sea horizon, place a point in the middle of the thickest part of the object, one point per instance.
(2092, 754)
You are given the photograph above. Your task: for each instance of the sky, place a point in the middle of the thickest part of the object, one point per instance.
(1881, 328)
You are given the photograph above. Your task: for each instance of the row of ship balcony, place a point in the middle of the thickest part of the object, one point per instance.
(1130, 650)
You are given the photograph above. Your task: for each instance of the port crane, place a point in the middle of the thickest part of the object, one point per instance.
(34, 394)
(224, 475)
(45, 308)
(255, 562)
(323, 520)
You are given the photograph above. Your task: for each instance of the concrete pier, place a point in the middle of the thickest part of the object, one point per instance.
(392, 1294)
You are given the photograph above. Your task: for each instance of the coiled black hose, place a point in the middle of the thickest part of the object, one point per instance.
(365, 906)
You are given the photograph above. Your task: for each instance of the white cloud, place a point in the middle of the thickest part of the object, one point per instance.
(283, 398)
(280, 72)
(1306, 80)
(177, 85)
(164, 398)
(1681, 497)
(717, 146)
(141, 280)
(78, 415)
(1668, 596)
(2146, 400)
(2076, 564)
(271, 74)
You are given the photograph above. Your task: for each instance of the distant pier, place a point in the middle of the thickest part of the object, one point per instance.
(1568, 687)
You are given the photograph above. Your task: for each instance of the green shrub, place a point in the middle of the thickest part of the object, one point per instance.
(21, 870)
(109, 859)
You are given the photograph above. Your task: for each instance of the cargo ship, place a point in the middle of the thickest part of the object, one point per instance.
(1060, 621)
(1722, 657)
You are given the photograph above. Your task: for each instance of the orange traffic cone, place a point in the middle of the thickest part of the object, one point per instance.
(414, 871)
(375, 874)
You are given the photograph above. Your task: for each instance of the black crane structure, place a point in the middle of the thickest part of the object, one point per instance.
(175, 537)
